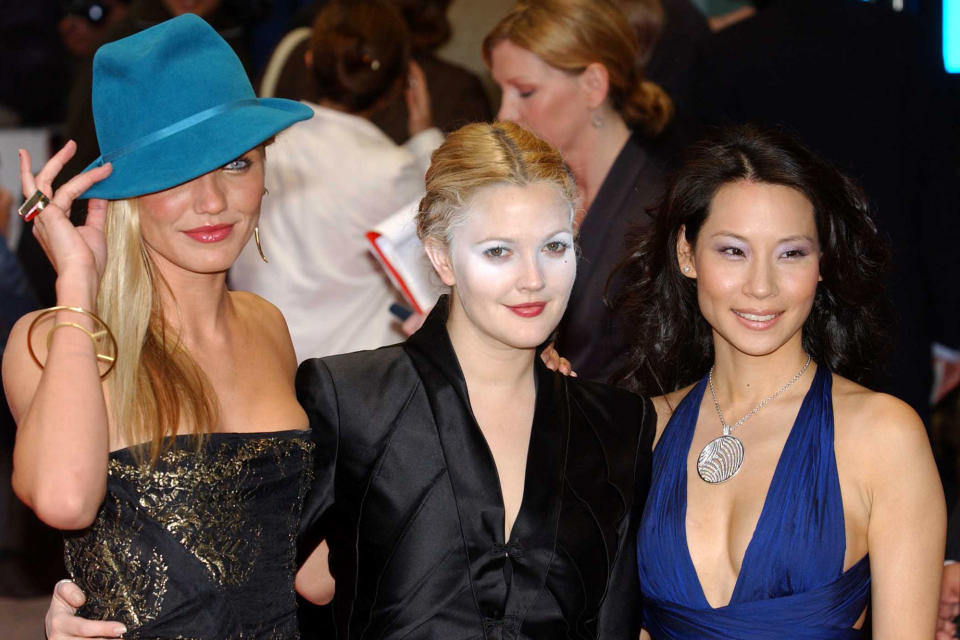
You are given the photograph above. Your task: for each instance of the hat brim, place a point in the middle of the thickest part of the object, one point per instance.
(197, 150)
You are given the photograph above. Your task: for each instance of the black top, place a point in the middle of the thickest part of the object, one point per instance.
(408, 497)
(203, 545)
(590, 335)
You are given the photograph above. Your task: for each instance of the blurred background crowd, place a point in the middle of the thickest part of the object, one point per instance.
(863, 83)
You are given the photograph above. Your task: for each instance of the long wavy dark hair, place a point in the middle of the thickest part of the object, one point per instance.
(672, 342)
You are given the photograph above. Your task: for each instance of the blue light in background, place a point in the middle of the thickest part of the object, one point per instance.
(951, 35)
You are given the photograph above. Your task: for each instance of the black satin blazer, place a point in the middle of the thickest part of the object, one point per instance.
(408, 498)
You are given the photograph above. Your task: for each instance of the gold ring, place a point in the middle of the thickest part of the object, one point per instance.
(34, 205)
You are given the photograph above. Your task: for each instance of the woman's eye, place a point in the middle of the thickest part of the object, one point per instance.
(525, 93)
(237, 165)
(495, 252)
(732, 251)
(794, 253)
(557, 247)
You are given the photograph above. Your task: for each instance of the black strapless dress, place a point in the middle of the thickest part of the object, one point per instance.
(202, 547)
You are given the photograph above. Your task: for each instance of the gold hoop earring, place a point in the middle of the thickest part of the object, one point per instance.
(256, 238)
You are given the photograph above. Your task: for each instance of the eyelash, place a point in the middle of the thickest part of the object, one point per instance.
(525, 94)
(559, 247)
(496, 253)
(732, 251)
(738, 252)
(242, 161)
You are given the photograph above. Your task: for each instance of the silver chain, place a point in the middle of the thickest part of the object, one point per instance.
(727, 429)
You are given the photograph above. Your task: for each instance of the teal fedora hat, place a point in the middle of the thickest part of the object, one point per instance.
(172, 103)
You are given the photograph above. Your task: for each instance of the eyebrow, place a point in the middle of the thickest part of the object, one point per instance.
(513, 240)
(781, 240)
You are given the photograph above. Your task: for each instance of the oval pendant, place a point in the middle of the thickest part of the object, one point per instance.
(720, 459)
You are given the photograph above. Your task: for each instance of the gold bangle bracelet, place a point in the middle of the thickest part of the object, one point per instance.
(103, 331)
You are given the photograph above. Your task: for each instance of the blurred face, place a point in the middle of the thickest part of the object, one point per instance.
(757, 264)
(202, 225)
(549, 102)
(202, 8)
(512, 264)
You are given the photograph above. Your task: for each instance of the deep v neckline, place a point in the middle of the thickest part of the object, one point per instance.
(764, 509)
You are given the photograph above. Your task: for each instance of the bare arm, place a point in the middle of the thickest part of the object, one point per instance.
(907, 522)
(314, 581)
(62, 443)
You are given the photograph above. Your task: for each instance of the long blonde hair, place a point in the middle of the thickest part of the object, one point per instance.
(572, 34)
(156, 387)
(480, 155)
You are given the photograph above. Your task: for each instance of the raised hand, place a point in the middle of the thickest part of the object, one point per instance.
(79, 251)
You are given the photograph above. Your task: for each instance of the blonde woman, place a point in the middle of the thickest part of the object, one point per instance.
(568, 72)
(157, 421)
(480, 494)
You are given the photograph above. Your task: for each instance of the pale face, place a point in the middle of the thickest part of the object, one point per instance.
(757, 264)
(550, 102)
(202, 225)
(511, 265)
(202, 8)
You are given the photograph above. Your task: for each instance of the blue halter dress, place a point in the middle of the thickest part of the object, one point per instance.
(791, 583)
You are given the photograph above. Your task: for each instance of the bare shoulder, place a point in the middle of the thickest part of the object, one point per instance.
(264, 320)
(665, 406)
(876, 426)
(252, 308)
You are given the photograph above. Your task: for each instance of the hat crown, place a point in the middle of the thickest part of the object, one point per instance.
(161, 76)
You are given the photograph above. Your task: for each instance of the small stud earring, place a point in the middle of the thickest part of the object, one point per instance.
(686, 269)
(256, 238)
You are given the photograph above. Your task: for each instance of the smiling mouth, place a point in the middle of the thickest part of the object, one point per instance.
(214, 233)
(754, 317)
(528, 310)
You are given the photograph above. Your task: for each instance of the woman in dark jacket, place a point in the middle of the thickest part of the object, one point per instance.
(463, 489)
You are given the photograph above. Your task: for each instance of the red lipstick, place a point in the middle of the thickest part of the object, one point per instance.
(213, 233)
(527, 310)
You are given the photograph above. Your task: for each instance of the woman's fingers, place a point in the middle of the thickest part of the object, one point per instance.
(62, 623)
(96, 213)
(67, 593)
(54, 166)
(79, 183)
(27, 183)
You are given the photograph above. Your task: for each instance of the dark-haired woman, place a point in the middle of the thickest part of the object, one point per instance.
(335, 177)
(568, 71)
(785, 494)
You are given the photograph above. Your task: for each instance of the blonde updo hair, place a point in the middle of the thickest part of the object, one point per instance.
(572, 34)
(482, 155)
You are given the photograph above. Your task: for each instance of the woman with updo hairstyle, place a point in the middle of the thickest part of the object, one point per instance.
(465, 490)
(568, 71)
(335, 177)
(784, 494)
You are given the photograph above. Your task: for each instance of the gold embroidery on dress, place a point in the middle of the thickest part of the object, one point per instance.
(202, 499)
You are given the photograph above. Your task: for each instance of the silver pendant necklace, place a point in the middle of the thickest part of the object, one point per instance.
(720, 460)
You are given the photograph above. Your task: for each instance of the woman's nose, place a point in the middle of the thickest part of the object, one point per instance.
(208, 194)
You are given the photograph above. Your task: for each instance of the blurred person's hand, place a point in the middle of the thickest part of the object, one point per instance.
(62, 623)
(417, 96)
(6, 203)
(555, 362)
(949, 603)
(413, 323)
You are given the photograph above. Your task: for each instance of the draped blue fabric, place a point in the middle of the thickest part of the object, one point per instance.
(791, 581)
